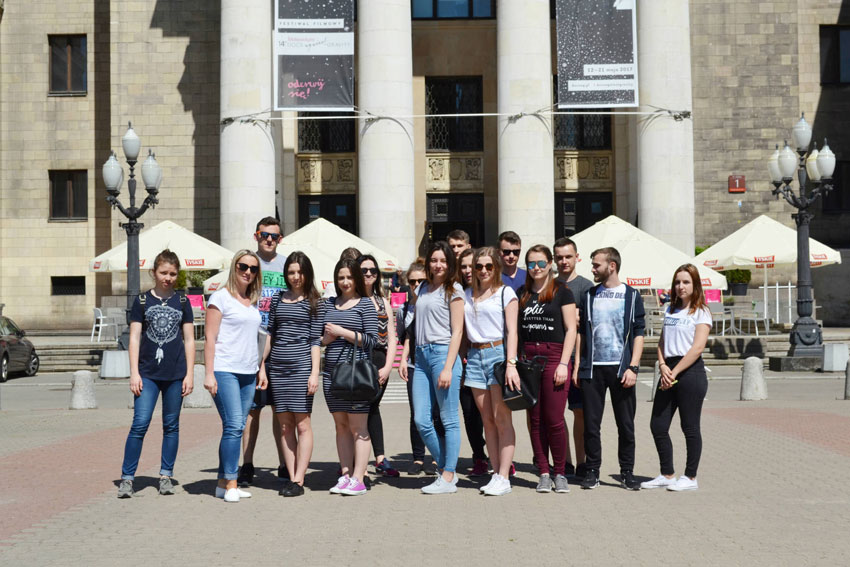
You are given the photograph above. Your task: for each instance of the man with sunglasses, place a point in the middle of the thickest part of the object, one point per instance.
(510, 247)
(268, 236)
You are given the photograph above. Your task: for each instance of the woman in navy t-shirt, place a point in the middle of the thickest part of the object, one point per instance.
(162, 359)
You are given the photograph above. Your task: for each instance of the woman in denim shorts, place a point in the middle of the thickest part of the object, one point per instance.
(490, 315)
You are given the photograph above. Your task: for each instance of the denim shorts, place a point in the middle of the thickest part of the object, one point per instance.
(480, 366)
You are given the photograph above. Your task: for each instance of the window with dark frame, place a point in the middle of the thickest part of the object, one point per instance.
(68, 195)
(334, 135)
(454, 95)
(838, 200)
(452, 9)
(67, 64)
(835, 55)
(581, 131)
(67, 285)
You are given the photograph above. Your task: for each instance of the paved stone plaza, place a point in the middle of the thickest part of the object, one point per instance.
(772, 492)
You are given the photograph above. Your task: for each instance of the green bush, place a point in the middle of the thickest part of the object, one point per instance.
(193, 278)
(738, 276)
(699, 250)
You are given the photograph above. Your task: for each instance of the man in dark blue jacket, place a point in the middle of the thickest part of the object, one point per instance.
(612, 326)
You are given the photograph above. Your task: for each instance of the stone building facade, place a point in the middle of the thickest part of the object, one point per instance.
(753, 67)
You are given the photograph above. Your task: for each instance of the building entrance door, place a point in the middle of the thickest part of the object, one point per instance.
(575, 212)
(456, 212)
(339, 209)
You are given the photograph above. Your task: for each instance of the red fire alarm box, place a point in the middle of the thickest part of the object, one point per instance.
(737, 184)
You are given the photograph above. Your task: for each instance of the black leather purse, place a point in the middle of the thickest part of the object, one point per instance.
(530, 373)
(355, 380)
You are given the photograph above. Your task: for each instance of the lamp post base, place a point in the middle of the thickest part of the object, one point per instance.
(806, 338)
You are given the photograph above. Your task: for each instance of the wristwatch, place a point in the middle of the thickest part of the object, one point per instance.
(635, 368)
(512, 361)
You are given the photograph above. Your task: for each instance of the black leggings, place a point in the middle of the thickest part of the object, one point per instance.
(687, 396)
(375, 424)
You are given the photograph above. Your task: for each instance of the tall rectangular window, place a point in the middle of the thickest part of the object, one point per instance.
(334, 135)
(68, 194)
(452, 9)
(581, 131)
(834, 55)
(454, 95)
(67, 64)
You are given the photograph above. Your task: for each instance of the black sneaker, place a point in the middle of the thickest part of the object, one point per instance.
(283, 472)
(591, 479)
(581, 470)
(415, 469)
(628, 481)
(246, 475)
(292, 489)
(569, 470)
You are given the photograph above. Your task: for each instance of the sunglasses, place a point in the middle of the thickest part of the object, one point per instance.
(511, 252)
(367, 271)
(481, 267)
(245, 268)
(538, 264)
(266, 235)
(413, 281)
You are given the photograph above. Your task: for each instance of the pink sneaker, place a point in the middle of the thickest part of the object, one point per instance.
(353, 488)
(341, 483)
(480, 468)
(513, 470)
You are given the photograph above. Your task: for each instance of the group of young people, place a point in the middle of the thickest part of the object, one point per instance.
(471, 315)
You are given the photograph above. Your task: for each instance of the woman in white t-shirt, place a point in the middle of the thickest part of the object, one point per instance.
(231, 357)
(684, 384)
(490, 316)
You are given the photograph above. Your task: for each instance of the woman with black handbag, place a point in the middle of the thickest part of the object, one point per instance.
(490, 315)
(350, 323)
(547, 328)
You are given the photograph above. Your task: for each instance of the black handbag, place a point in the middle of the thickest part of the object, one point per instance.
(355, 380)
(530, 373)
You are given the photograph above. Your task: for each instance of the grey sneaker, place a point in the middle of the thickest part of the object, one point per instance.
(166, 486)
(545, 484)
(561, 484)
(125, 489)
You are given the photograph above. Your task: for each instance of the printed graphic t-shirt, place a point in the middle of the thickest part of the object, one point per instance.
(680, 328)
(161, 352)
(273, 282)
(544, 322)
(608, 311)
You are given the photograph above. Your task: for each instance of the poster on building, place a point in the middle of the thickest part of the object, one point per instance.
(313, 55)
(597, 53)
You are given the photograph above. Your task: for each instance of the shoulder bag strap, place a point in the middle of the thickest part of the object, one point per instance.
(504, 326)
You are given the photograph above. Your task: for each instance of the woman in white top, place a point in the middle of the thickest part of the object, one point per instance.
(231, 358)
(684, 384)
(490, 315)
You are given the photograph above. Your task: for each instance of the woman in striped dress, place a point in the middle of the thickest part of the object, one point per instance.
(292, 361)
(382, 355)
(349, 312)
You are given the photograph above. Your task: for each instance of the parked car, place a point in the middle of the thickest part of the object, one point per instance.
(17, 354)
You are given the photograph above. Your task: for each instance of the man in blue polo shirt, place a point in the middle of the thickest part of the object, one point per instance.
(510, 247)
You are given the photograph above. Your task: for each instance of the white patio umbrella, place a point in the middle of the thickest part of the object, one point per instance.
(195, 252)
(647, 262)
(331, 239)
(763, 243)
(323, 267)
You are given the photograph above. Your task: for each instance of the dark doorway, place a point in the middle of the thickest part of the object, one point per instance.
(338, 209)
(575, 212)
(456, 212)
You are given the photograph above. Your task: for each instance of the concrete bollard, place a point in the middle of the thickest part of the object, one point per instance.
(656, 379)
(847, 381)
(199, 398)
(82, 390)
(753, 386)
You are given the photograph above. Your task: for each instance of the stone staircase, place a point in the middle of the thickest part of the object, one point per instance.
(71, 357)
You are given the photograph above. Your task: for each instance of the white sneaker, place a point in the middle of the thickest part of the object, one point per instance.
(440, 486)
(493, 479)
(231, 495)
(684, 483)
(658, 482)
(499, 488)
(220, 492)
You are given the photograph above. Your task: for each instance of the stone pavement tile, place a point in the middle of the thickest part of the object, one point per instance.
(767, 497)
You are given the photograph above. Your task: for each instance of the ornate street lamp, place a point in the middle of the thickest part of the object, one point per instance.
(113, 177)
(814, 178)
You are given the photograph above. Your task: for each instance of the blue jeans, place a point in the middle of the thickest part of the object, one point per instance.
(430, 360)
(233, 401)
(143, 406)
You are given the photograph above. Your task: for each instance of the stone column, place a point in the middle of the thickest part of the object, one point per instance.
(526, 169)
(247, 166)
(665, 146)
(385, 194)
